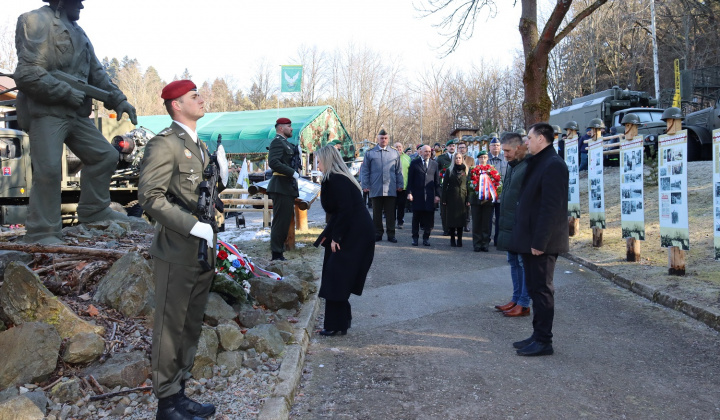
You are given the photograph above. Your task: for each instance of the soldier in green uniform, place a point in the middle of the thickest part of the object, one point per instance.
(49, 42)
(168, 190)
(283, 187)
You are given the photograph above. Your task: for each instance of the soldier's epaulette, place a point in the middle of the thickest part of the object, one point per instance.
(166, 132)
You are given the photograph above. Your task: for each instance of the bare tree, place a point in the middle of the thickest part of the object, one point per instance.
(461, 17)
(8, 55)
(313, 80)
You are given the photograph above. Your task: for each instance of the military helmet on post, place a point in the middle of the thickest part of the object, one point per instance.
(571, 125)
(596, 123)
(672, 113)
(484, 137)
(557, 129)
(630, 119)
(521, 131)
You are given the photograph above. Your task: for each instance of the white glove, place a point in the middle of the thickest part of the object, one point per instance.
(203, 231)
(223, 164)
(296, 175)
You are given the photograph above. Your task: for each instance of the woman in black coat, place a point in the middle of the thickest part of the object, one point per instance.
(455, 198)
(348, 238)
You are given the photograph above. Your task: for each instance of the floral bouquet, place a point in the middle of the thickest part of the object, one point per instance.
(485, 181)
(443, 173)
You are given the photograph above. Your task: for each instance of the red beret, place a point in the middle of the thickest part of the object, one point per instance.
(177, 89)
(283, 121)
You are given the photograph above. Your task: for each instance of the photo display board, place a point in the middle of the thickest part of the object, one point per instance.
(716, 190)
(596, 187)
(672, 190)
(632, 207)
(571, 160)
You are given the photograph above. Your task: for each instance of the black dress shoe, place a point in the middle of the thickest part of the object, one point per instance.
(476, 249)
(333, 332)
(484, 249)
(193, 407)
(393, 240)
(278, 256)
(170, 408)
(536, 348)
(523, 343)
(426, 242)
(415, 242)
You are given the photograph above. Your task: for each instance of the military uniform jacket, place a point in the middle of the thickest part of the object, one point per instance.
(444, 161)
(173, 166)
(279, 158)
(46, 43)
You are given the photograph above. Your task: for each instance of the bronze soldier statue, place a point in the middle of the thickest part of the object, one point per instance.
(53, 53)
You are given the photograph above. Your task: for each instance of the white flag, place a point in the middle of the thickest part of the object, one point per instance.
(243, 180)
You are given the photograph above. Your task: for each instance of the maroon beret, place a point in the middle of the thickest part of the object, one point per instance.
(177, 89)
(283, 121)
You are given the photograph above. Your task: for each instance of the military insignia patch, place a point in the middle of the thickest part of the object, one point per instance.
(188, 154)
(193, 178)
(165, 132)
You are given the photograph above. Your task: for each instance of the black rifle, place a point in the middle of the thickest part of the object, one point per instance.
(296, 162)
(208, 202)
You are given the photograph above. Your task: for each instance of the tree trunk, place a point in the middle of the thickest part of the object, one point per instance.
(537, 104)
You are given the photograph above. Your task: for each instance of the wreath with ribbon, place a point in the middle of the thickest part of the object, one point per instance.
(485, 181)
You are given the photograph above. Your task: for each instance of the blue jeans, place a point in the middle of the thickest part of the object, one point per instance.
(583, 161)
(517, 272)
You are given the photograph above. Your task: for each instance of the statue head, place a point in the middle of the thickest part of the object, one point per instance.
(72, 8)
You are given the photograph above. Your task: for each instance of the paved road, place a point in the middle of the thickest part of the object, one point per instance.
(426, 343)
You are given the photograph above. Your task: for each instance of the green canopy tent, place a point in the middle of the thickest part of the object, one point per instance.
(250, 132)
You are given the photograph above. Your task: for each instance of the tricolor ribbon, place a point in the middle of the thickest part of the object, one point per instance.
(486, 188)
(245, 262)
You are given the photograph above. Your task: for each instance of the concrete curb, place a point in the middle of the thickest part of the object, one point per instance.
(694, 310)
(277, 406)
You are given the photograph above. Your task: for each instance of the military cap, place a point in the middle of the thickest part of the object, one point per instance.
(283, 120)
(494, 140)
(482, 152)
(630, 118)
(334, 142)
(408, 150)
(449, 142)
(436, 144)
(672, 113)
(382, 132)
(177, 89)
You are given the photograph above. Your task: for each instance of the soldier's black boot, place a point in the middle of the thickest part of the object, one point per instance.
(169, 408)
(277, 256)
(459, 240)
(194, 407)
(452, 238)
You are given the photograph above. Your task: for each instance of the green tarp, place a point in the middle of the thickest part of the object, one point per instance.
(246, 132)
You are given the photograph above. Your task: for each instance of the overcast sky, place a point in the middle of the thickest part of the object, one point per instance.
(230, 38)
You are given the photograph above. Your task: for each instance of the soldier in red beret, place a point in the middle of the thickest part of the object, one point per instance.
(170, 177)
(283, 158)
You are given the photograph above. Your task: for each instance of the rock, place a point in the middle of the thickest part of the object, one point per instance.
(8, 393)
(274, 294)
(39, 399)
(266, 338)
(217, 309)
(232, 360)
(110, 228)
(6, 257)
(128, 286)
(124, 369)
(29, 353)
(67, 392)
(206, 353)
(138, 224)
(230, 336)
(83, 348)
(251, 317)
(228, 288)
(277, 266)
(20, 408)
(286, 329)
(252, 363)
(24, 298)
(304, 271)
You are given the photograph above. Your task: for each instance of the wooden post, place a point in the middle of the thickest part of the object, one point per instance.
(597, 236)
(573, 226)
(266, 211)
(631, 130)
(673, 125)
(676, 261)
(290, 241)
(633, 250)
(301, 219)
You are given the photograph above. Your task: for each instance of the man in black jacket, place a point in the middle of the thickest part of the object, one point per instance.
(424, 191)
(541, 233)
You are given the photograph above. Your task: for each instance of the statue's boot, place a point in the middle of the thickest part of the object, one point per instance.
(105, 214)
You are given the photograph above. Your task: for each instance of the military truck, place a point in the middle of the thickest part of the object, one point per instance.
(16, 164)
(700, 125)
(611, 106)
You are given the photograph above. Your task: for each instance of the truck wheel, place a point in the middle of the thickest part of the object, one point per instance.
(134, 209)
(694, 147)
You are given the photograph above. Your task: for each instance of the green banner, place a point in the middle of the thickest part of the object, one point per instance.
(290, 78)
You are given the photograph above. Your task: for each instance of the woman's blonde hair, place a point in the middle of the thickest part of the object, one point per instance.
(332, 163)
(452, 165)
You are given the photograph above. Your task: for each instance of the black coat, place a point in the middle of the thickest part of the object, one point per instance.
(423, 185)
(349, 225)
(455, 198)
(541, 220)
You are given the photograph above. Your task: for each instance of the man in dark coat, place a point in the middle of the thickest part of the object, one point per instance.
(424, 192)
(283, 187)
(541, 233)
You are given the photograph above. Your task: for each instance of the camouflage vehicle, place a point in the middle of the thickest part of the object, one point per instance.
(16, 163)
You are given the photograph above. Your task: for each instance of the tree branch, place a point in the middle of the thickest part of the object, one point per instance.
(578, 18)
